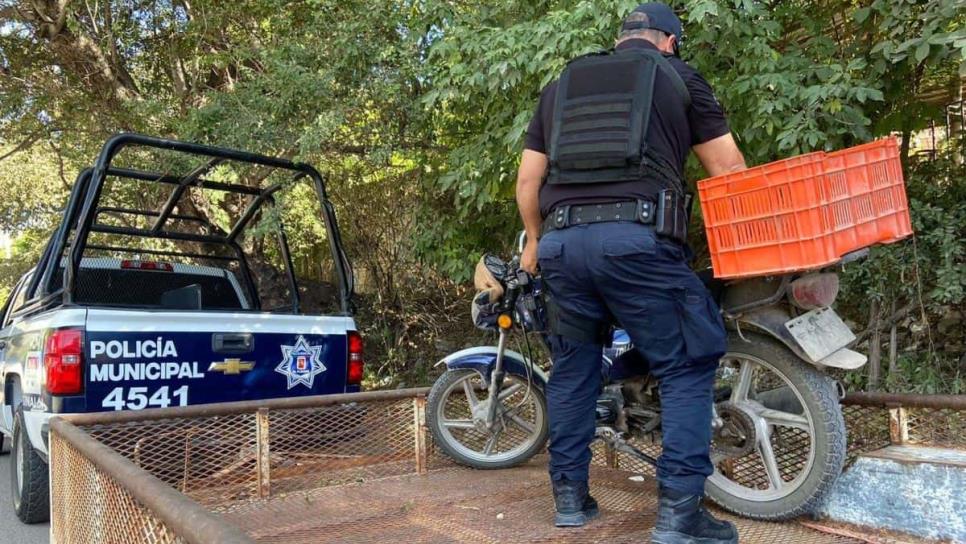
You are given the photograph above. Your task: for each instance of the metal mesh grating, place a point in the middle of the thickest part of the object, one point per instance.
(353, 468)
(334, 445)
(868, 429)
(215, 460)
(791, 448)
(90, 506)
(209, 459)
(461, 505)
(937, 427)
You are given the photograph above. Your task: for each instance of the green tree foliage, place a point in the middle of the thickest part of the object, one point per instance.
(33, 191)
(416, 109)
(794, 76)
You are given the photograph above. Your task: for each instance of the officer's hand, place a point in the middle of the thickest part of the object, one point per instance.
(528, 260)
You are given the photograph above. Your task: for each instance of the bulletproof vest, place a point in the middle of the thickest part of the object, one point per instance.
(601, 115)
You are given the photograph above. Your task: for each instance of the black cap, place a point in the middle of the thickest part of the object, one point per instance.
(660, 16)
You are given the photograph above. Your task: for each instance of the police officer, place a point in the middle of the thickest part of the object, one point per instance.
(601, 187)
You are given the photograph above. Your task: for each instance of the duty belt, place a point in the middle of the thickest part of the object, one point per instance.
(561, 217)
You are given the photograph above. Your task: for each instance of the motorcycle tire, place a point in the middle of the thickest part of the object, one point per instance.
(821, 400)
(437, 396)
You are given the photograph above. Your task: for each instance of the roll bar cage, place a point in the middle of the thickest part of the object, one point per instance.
(83, 212)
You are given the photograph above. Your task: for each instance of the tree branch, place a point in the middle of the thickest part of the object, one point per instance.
(77, 51)
(27, 143)
(60, 165)
(884, 323)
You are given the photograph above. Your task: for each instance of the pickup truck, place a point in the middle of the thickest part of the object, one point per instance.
(125, 310)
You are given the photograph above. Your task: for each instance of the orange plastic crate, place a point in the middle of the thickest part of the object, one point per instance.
(867, 196)
(805, 212)
(767, 219)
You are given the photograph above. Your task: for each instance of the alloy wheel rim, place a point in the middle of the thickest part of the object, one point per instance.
(471, 422)
(766, 421)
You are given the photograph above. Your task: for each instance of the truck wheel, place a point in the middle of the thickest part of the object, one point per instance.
(4, 444)
(28, 471)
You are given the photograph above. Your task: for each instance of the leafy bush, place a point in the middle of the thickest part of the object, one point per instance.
(923, 280)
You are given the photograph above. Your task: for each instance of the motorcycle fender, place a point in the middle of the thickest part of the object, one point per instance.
(482, 359)
(771, 320)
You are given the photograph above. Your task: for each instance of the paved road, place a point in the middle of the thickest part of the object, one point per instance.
(11, 530)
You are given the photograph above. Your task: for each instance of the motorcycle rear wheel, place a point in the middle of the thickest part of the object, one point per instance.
(790, 470)
(522, 431)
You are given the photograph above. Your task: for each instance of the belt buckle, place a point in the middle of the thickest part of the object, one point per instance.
(561, 217)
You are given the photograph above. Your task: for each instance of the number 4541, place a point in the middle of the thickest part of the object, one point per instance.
(137, 398)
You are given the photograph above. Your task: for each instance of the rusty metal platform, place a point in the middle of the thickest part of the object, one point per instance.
(361, 467)
(460, 505)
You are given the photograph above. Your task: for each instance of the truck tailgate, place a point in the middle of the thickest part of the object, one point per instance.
(140, 359)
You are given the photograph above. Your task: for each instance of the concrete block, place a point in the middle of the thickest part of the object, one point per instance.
(913, 489)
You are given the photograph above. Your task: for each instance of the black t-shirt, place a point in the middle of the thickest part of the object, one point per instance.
(672, 131)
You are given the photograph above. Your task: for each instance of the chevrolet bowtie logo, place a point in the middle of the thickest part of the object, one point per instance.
(231, 366)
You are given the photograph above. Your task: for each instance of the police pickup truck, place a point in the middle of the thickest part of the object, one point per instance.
(171, 288)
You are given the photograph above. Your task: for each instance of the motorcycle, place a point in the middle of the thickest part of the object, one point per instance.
(779, 439)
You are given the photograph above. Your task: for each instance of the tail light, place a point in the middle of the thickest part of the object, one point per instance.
(64, 361)
(356, 362)
(814, 290)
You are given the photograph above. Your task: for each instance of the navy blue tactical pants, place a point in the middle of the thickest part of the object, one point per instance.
(625, 270)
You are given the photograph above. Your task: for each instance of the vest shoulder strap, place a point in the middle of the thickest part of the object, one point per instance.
(665, 66)
(597, 53)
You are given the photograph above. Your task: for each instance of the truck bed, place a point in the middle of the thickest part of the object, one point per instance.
(454, 504)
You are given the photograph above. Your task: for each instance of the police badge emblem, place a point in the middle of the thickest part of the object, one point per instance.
(301, 363)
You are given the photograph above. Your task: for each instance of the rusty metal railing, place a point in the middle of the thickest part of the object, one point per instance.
(890, 418)
(163, 475)
(935, 402)
(99, 496)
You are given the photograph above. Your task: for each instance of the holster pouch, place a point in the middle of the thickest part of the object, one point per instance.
(574, 327)
(672, 216)
(704, 334)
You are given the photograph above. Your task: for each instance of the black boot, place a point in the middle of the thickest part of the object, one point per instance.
(575, 506)
(681, 519)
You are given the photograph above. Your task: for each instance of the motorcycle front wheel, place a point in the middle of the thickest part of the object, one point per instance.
(455, 414)
(781, 440)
